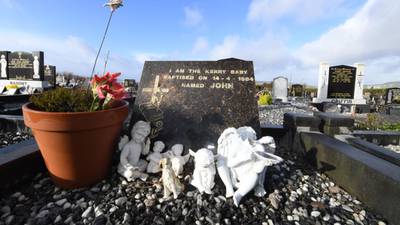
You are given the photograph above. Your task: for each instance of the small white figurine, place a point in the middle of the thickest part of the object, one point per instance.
(204, 170)
(170, 182)
(130, 165)
(177, 160)
(155, 157)
(242, 162)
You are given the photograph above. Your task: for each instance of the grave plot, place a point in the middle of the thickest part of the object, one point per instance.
(295, 193)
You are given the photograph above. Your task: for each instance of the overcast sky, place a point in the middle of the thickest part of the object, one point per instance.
(282, 37)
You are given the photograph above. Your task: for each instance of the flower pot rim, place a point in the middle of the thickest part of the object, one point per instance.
(27, 107)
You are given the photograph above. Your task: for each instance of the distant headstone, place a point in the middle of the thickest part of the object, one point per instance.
(192, 102)
(130, 83)
(50, 74)
(280, 88)
(340, 84)
(25, 66)
(60, 80)
(297, 90)
(393, 96)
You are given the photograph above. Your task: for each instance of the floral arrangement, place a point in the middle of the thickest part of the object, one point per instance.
(105, 90)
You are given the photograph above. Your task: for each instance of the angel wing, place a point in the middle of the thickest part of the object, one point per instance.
(247, 133)
(224, 141)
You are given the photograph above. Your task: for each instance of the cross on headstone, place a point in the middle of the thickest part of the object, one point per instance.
(156, 100)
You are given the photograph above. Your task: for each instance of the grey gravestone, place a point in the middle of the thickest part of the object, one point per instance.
(21, 65)
(297, 90)
(393, 96)
(4, 59)
(50, 74)
(192, 102)
(280, 88)
(341, 82)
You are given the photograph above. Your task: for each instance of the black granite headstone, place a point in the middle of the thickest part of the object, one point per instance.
(130, 83)
(4, 64)
(192, 102)
(50, 74)
(297, 90)
(341, 82)
(25, 66)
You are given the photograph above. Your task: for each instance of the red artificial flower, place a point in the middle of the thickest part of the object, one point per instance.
(98, 80)
(107, 88)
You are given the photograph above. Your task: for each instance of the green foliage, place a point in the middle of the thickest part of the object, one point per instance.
(265, 99)
(390, 127)
(63, 100)
(375, 122)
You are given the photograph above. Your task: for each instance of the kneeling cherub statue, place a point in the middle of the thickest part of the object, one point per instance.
(131, 166)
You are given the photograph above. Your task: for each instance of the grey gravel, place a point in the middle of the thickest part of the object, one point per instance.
(121, 201)
(88, 212)
(9, 138)
(273, 114)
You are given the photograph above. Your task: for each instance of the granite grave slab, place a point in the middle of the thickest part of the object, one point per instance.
(341, 82)
(192, 102)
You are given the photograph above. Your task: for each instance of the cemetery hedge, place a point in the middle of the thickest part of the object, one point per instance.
(63, 100)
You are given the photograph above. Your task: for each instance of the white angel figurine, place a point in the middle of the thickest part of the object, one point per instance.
(177, 160)
(204, 170)
(155, 157)
(170, 182)
(130, 165)
(241, 162)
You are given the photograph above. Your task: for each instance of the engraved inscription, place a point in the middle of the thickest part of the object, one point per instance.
(341, 82)
(20, 64)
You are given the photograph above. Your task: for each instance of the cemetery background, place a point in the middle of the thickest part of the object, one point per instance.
(297, 192)
(293, 187)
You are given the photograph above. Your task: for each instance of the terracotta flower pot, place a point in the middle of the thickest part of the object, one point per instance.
(77, 147)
